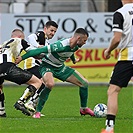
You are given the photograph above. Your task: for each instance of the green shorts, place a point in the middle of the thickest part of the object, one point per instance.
(61, 73)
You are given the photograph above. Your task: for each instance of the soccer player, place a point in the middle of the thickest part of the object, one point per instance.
(36, 40)
(53, 66)
(9, 50)
(123, 70)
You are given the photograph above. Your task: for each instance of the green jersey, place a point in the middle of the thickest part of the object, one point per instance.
(55, 54)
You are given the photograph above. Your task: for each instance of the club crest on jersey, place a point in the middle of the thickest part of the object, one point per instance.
(47, 69)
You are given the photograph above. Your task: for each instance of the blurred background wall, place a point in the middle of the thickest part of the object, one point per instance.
(28, 6)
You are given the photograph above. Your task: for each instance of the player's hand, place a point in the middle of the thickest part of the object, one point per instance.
(107, 54)
(18, 60)
(76, 60)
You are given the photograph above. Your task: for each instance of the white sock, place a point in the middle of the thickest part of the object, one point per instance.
(109, 128)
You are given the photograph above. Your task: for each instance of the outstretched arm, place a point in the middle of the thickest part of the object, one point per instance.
(46, 49)
(35, 52)
(31, 53)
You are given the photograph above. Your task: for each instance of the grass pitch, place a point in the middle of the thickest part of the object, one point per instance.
(62, 112)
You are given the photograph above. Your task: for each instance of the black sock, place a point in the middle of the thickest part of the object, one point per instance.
(41, 88)
(36, 95)
(2, 106)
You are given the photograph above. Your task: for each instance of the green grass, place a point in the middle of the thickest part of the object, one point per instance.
(62, 112)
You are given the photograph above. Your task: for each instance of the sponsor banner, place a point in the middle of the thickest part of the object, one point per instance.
(99, 25)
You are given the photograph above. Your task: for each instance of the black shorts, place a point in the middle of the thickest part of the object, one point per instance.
(122, 73)
(9, 71)
(35, 70)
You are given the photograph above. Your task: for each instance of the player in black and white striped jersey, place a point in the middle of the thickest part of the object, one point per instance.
(36, 40)
(123, 70)
(9, 50)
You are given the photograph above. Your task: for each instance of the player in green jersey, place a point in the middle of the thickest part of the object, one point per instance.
(53, 66)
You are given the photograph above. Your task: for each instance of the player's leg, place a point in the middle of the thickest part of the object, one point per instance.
(34, 100)
(77, 79)
(19, 76)
(35, 70)
(3, 70)
(68, 74)
(125, 71)
(47, 76)
(34, 83)
(112, 104)
(2, 98)
(49, 83)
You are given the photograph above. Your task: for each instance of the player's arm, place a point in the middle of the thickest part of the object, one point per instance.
(55, 47)
(74, 60)
(31, 53)
(117, 29)
(35, 52)
(46, 49)
(114, 44)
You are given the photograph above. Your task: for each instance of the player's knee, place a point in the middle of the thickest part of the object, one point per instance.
(113, 90)
(50, 85)
(85, 84)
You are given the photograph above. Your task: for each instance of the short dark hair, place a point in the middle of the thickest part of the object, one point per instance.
(82, 31)
(51, 23)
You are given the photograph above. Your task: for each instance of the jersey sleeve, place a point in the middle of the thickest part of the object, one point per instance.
(118, 22)
(55, 47)
(36, 39)
(41, 37)
(72, 58)
(32, 40)
(25, 45)
(35, 52)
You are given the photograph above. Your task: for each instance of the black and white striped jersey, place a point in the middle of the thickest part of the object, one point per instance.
(122, 22)
(35, 39)
(10, 49)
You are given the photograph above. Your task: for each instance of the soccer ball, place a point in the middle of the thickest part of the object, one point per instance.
(100, 110)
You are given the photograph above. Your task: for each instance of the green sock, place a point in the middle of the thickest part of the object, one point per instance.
(42, 99)
(83, 92)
